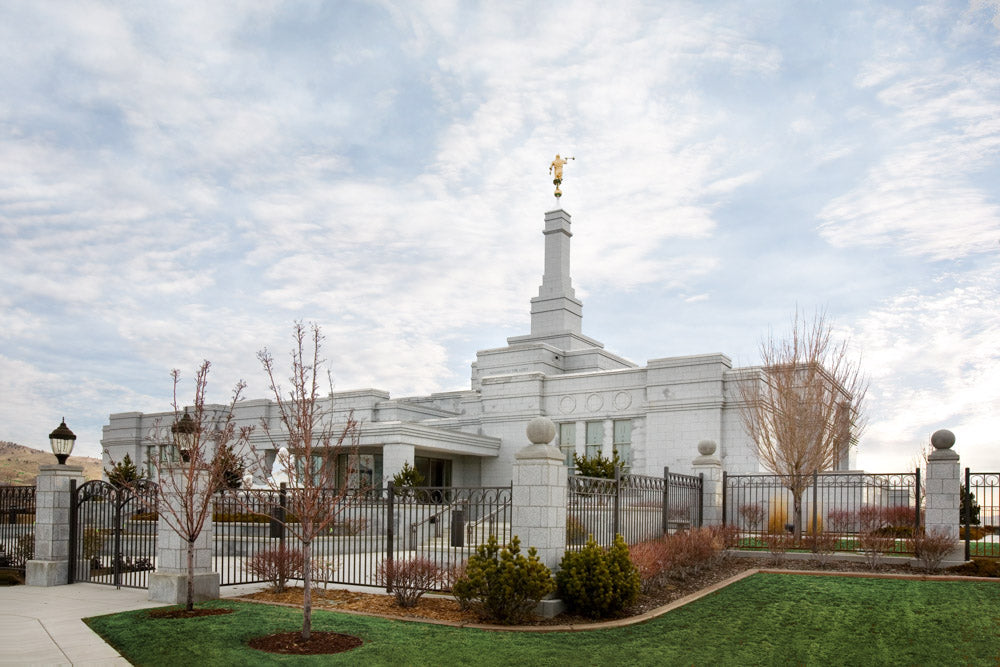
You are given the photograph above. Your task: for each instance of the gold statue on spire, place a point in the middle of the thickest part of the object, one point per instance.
(556, 168)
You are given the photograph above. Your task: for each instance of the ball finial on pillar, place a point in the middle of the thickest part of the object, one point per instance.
(943, 441)
(540, 431)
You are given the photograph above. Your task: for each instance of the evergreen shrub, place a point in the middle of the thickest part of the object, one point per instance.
(124, 473)
(597, 582)
(597, 466)
(501, 584)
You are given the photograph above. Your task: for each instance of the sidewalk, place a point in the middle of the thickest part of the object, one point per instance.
(43, 626)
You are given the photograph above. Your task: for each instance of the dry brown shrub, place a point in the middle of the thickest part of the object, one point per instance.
(277, 565)
(409, 579)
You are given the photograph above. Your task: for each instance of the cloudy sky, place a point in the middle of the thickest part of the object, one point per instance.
(183, 181)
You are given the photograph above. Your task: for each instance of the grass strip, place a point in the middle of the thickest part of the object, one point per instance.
(763, 619)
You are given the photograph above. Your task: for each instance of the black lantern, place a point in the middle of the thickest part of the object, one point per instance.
(62, 440)
(184, 430)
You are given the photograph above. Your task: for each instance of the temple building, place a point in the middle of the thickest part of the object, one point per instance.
(653, 415)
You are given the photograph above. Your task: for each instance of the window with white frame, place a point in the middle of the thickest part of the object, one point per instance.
(156, 455)
(567, 443)
(595, 438)
(623, 440)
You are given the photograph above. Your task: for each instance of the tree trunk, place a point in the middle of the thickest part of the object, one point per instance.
(189, 604)
(306, 590)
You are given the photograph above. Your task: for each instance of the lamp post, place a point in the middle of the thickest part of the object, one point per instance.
(184, 430)
(61, 440)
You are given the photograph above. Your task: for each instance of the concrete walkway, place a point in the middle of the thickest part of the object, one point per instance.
(43, 626)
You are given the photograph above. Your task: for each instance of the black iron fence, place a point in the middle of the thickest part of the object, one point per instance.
(442, 525)
(980, 514)
(17, 526)
(854, 507)
(112, 533)
(637, 507)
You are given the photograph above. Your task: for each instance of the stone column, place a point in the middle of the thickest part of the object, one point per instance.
(539, 494)
(710, 466)
(50, 566)
(941, 513)
(169, 582)
(393, 458)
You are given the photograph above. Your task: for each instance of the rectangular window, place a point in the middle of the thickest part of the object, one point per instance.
(567, 442)
(161, 454)
(359, 472)
(595, 438)
(623, 440)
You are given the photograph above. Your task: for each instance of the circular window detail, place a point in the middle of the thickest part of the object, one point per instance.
(623, 400)
(567, 404)
(595, 402)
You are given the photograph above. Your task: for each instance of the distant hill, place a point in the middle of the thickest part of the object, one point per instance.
(19, 464)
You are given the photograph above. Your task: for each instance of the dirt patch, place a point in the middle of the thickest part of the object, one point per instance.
(319, 643)
(184, 613)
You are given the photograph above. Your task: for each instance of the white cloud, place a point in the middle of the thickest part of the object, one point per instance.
(182, 182)
(926, 195)
(934, 362)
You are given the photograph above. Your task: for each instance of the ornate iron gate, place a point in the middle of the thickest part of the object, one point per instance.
(112, 534)
(442, 525)
(980, 514)
(17, 525)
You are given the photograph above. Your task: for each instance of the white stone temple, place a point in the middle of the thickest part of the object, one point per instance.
(653, 415)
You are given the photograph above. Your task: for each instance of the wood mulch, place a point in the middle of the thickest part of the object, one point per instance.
(319, 643)
(444, 608)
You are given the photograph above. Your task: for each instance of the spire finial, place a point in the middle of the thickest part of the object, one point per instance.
(556, 168)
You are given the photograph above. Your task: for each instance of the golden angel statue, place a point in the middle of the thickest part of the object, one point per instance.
(556, 168)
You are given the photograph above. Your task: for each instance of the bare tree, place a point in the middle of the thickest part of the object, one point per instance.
(315, 439)
(188, 478)
(804, 412)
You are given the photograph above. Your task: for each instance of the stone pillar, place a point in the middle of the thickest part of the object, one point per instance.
(710, 466)
(50, 566)
(393, 458)
(169, 582)
(538, 497)
(941, 513)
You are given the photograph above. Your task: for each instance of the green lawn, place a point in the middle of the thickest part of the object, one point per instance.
(989, 549)
(764, 619)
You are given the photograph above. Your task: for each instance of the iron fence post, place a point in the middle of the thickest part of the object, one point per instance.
(967, 519)
(815, 508)
(71, 572)
(724, 485)
(701, 499)
(616, 507)
(390, 530)
(666, 499)
(117, 564)
(282, 514)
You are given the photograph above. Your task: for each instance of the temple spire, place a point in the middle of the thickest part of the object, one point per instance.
(556, 310)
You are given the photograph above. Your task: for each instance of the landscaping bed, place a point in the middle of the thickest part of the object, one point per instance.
(443, 608)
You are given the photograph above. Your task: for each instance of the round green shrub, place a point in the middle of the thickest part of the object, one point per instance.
(501, 584)
(598, 583)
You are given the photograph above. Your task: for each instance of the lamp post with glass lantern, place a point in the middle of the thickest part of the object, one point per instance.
(184, 431)
(61, 440)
